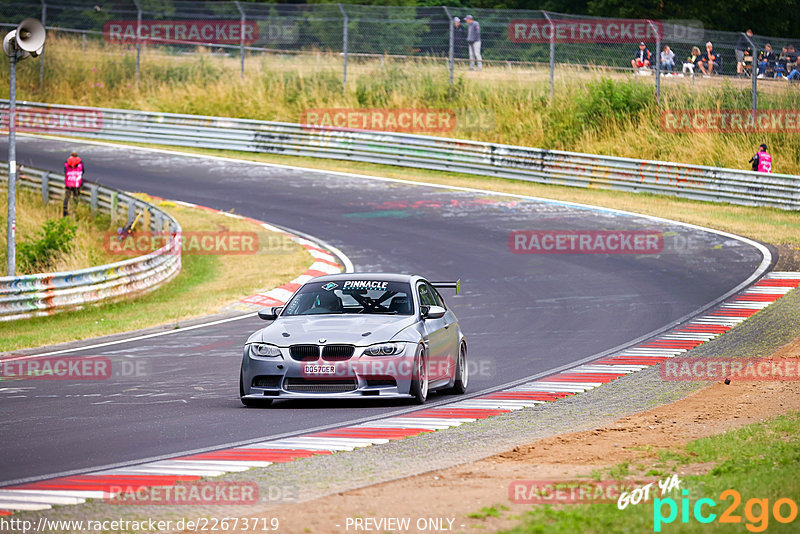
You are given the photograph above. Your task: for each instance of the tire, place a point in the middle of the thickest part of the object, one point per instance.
(251, 403)
(462, 373)
(419, 380)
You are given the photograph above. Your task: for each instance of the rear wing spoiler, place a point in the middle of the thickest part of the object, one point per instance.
(448, 285)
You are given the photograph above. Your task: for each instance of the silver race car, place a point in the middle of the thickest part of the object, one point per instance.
(356, 336)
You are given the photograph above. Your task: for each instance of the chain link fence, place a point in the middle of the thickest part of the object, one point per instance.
(340, 37)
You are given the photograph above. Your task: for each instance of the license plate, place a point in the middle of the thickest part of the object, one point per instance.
(319, 369)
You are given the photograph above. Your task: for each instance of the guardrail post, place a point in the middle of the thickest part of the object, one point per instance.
(114, 199)
(552, 53)
(344, 45)
(451, 54)
(138, 38)
(93, 198)
(131, 211)
(46, 187)
(241, 31)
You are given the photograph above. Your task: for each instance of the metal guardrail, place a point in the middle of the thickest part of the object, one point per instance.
(416, 151)
(47, 293)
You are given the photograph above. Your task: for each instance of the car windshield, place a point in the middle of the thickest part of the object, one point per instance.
(352, 296)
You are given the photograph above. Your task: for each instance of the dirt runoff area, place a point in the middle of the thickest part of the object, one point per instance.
(446, 498)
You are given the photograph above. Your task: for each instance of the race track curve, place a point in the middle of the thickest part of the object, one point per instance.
(522, 313)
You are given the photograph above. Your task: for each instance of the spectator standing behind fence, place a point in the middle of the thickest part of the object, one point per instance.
(459, 38)
(691, 61)
(474, 42)
(709, 61)
(642, 58)
(667, 59)
(743, 49)
(762, 161)
(73, 180)
(766, 59)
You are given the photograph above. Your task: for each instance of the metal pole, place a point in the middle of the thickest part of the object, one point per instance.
(344, 46)
(452, 43)
(138, 38)
(12, 169)
(658, 61)
(552, 53)
(753, 73)
(241, 42)
(41, 56)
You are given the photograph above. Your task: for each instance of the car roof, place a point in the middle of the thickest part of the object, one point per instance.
(386, 277)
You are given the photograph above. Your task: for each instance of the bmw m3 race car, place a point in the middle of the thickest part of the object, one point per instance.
(356, 336)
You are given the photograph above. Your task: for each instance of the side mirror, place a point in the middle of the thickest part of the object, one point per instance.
(432, 312)
(270, 314)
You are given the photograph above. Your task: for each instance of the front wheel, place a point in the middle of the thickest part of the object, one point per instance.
(419, 380)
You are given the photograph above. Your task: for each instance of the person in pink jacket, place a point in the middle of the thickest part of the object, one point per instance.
(73, 179)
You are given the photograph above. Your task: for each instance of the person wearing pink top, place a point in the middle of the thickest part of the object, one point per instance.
(73, 179)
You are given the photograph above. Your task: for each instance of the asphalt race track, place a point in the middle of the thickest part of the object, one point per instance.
(522, 313)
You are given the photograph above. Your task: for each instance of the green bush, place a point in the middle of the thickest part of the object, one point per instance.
(39, 254)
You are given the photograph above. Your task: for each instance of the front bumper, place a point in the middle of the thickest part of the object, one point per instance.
(357, 377)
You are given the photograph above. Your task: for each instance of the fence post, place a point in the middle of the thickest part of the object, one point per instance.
(658, 61)
(754, 72)
(46, 187)
(552, 52)
(241, 31)
(93, 198)
(452, 43)
(138, 38)
(41, 56)
(344, 45)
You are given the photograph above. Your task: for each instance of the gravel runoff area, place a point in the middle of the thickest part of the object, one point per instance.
(307, 479)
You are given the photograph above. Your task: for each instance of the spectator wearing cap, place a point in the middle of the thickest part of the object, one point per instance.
(459, 38)
(743, 49)
(642, 58)
(474, 42)
(709, 61)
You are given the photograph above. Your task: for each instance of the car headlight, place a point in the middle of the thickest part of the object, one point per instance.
(384, 349)
(264, 350)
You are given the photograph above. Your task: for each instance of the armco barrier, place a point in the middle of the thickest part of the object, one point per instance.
(417, 151)
(47, 293)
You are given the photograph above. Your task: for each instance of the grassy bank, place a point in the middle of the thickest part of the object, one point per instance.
(758, 461)
(592, 111)
(84, 250)
(205, 284)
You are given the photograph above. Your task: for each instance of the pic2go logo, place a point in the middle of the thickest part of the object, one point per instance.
(756, 511)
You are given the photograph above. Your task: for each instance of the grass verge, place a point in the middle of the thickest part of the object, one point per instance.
(206, 282)
(593, 111)
(757, 461)
(32, 215)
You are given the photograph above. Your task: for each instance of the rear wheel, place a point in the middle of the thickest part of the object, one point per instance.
(419, 380)
(462, 372)
(251, 403)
